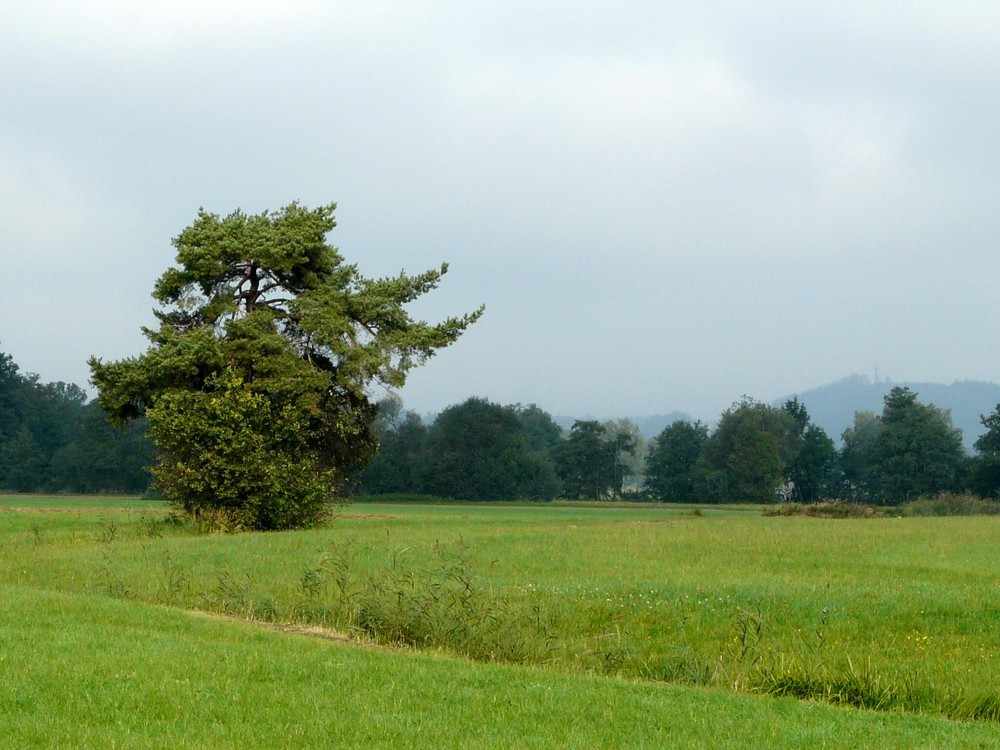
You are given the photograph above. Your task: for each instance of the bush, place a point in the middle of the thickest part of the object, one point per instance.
(230, 461)
(825, 509)
(950, 504)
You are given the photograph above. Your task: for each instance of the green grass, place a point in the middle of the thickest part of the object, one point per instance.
(82, 671)
(49, 504)
(652, 613)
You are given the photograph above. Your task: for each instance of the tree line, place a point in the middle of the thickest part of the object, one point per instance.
(480, 450)
(53, 439)
(256, 392)
(757, 453)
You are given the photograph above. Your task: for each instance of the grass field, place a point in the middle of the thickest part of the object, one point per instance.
(533, 626)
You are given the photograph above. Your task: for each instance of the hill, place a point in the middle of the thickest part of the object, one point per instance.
(832, 406)
(650, 426)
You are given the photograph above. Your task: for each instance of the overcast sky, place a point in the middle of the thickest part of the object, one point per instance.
(663, 205)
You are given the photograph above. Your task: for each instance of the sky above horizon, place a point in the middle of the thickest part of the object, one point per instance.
(663, 205)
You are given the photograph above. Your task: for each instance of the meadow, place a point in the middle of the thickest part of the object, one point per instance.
(498, 625)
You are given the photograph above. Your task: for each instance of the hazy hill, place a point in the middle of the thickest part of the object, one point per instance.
(832, 406)
(650, 427)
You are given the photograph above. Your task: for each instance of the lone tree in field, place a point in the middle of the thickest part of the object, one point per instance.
(256, 381)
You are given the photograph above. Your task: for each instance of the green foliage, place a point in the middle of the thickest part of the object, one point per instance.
(586, 462)
(912, 449)
(476, 450)
(857, 457)
(815, 470)
(263, 314)
(672, 462)
(103, 458)
(950, 504)
(479, 450)
(52, 440)
(230, 450)
(917, 451)
(984, 472)
(747, 454)
(541, 430)
(400, 463)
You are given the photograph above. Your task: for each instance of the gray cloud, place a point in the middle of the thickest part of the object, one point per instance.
(664, 205)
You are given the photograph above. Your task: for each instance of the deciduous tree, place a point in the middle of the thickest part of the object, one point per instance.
(479, 450)
(587, 462)
(814, 468)
(857, 457)
(985, 469)
(672, 475)
(401, 463)
(749, 451)
(917, 450)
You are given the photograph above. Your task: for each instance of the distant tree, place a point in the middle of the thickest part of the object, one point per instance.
(56, 408)
(389, 414)
(39, 419)
(256, 381)
(543, 435)
(799, 414)
(586, 462)
(857, 457)
(10, 387)
(541, 430)
(479, 450)
(398, 465)
(916, 450)
(747, 454)
(102, 458)
(52, 440)
(985, 468)
(814, 468)
(630, 453)
(12, 406)
(26, 465)
(672, 461)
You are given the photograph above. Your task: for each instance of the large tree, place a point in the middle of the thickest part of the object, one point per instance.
(590, 461)
(857, 460)
(747, 456)
(917, 450)
(256, 383)
(672, 474)
(479, 450)
(814, 468)
(910, 450)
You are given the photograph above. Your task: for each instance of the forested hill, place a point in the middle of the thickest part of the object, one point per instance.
(832, 406)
